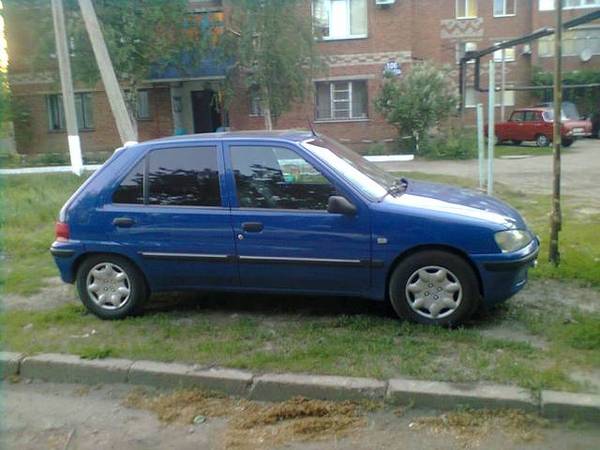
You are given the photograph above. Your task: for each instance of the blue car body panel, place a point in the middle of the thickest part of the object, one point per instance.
(295, 250)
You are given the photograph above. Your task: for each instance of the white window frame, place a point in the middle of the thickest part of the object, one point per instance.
(507, 52)
(505, 14)
(465, 4)
(460, 53)
(348, 24)
(332, 101)
(550, 5)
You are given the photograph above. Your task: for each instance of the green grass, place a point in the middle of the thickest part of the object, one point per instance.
(524, 149)
(29, 206)
(309, 335)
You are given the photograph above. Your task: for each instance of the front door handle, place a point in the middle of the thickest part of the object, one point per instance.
(123, 222)
(252, 227)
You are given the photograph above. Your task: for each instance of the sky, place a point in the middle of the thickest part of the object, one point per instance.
(3, 54)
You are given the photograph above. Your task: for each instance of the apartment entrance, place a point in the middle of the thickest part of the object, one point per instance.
(207, 117)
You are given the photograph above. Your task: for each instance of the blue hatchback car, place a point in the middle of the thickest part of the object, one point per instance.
(284, 212)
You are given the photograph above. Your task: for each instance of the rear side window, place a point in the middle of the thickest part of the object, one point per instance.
(184, 177)
(175, 177)
(131, 189)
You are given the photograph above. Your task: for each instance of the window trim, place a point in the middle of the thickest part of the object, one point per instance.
(349, 36)
(505, 9)
(137, 107)
(63, 119)
(465, 5)
(567, 7)
(350, 117)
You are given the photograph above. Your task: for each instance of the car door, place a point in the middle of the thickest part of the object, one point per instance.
(515, 128)
(170, 214)
(535, 125)
(285, 238)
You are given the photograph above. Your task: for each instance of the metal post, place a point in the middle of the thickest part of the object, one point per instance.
(481, 144)
(66, 81)
(491, 126)
(502, 84)
(124, 123)
(556, 215)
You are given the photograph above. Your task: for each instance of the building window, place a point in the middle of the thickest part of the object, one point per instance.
(462, 48)
(509, 98)
(340, 19)
(549, 5)
(509, 54)
(504, 8)
(83, 110)
(341, 100)
(255, 106)
(466, 9)
(470, 97)
(143, 105)
(573, 44)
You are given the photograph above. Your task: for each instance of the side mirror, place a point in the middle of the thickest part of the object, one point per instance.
(340, 205)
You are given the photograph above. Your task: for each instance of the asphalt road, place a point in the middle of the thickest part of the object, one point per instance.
(580, 171)
(52, 416)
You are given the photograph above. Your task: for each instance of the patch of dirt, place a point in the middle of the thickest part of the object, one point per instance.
(543, 293)
(54, 294)
(515, 333)
(470, 428)
(253, 424)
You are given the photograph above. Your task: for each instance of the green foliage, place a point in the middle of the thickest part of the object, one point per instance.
(586, 99)
(452, 143)
(274, 47)
(418, 101)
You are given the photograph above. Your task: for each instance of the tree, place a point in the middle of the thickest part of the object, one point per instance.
(274, 48)
(139, 34)
(418, 101)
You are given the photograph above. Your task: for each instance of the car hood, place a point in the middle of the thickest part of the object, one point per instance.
(453, 200)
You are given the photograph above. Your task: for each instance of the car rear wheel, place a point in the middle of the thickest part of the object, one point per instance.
(111, 287)
(542, 140)
(434, 287)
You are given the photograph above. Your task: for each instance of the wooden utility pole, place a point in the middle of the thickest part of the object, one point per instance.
(556, 215)
(125, 125)
(66, 81)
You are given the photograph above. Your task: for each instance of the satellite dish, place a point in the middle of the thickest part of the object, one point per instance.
(586, 54)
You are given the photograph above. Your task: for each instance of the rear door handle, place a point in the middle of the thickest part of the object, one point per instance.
(123, 222)
(252, 227)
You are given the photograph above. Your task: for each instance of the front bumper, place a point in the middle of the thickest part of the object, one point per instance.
(505, 274)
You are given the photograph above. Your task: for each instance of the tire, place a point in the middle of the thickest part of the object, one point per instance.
(516, 142)
(567, 142)
(451, 269)
(542, 140)
(122, 284)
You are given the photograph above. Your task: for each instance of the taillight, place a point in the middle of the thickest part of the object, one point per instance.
(61, 230)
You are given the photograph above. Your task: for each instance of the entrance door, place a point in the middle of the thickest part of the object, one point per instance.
(207, 118)
(285, 238)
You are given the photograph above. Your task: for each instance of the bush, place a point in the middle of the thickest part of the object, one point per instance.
(451, 143)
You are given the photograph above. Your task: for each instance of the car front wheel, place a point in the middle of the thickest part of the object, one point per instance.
(542, 140)
(111, 287)
(434, 288)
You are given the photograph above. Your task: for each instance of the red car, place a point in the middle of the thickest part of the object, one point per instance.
(536, 124)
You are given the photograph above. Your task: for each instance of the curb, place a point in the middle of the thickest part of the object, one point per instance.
(62, 368)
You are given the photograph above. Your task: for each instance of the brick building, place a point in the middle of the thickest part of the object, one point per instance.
(360, 39)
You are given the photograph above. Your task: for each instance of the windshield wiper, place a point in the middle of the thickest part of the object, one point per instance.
(398, 187)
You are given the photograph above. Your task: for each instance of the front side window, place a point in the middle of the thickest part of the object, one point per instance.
(341, 100)
(340, 19)
(278, 178)
(83, 110)
(466, 9)
(504, 8)
(184, 177)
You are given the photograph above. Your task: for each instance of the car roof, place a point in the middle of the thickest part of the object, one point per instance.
(533, 108)
(278, 135)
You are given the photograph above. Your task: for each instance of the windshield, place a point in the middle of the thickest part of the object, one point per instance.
(549, 115)
(365, 176)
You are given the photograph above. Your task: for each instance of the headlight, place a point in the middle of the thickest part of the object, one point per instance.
(512, 240)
